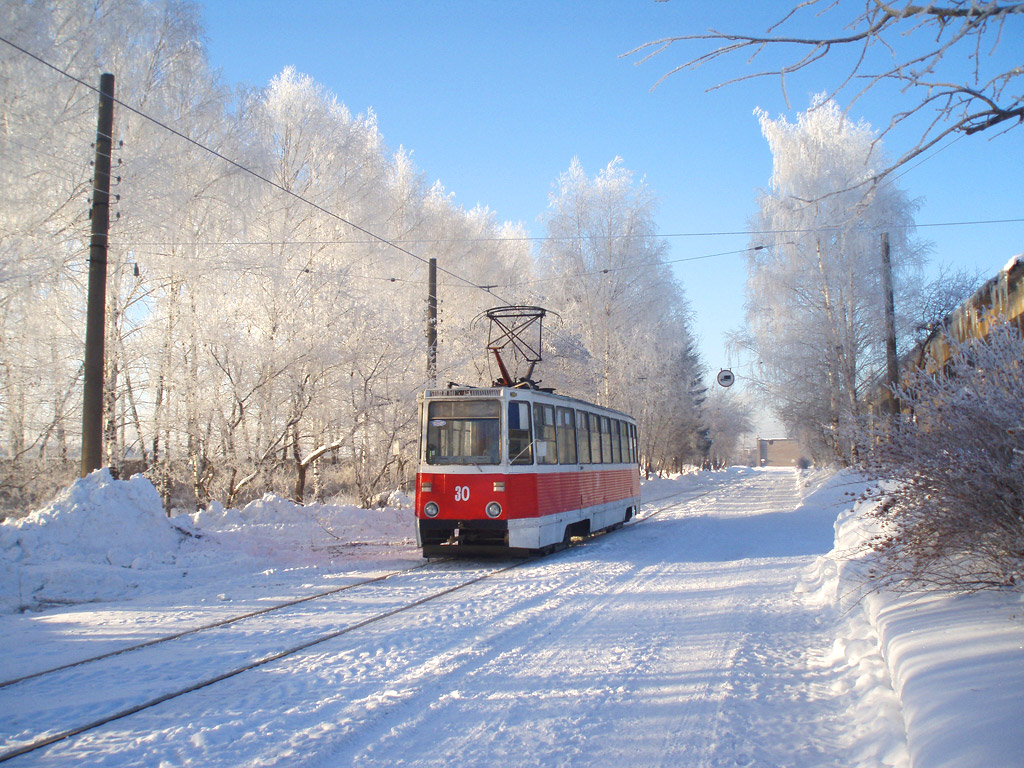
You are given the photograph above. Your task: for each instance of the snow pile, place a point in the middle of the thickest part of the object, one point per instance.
(103, 539)
(955, 662)
(101, 520)
(88, 543)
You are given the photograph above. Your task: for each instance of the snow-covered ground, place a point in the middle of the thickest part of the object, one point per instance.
(731, 629)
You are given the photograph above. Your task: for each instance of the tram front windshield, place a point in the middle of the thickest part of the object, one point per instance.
(463, 432)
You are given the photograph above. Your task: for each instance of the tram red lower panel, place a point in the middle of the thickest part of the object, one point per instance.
(566, 490)
(525, 495)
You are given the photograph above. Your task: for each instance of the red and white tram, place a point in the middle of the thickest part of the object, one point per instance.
(519, 470)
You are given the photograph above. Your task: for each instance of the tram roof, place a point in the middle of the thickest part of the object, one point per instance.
(509, 392)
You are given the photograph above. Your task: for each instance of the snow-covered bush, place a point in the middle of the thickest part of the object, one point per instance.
(951, 475)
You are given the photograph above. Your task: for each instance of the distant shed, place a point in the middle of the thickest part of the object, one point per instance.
(781, 452)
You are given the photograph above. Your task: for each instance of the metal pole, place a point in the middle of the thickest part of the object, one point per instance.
(891, 362)
(92, 400)
(432, 323)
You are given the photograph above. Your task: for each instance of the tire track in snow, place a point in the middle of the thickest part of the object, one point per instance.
(591, 701)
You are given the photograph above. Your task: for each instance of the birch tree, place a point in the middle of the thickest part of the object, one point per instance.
(815, 311)
(729, 416)
(254, 333)
(625, 340)
(44, 201)
(49, 123)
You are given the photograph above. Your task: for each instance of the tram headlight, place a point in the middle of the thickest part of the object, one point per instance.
(493, 509)
(430, 509)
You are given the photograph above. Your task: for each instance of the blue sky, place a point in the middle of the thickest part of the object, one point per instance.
(494, 99)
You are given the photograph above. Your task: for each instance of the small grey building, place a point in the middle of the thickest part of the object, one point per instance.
(781, 452)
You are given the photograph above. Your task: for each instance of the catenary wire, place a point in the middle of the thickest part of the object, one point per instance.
(547, 238)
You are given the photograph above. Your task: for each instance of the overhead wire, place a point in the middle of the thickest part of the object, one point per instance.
(398, 244)
(548, 238)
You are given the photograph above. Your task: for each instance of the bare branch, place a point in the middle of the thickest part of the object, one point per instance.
(977, 104)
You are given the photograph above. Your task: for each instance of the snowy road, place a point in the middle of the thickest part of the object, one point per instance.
(679, 641)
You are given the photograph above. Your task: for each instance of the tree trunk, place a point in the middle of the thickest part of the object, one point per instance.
(300, 481)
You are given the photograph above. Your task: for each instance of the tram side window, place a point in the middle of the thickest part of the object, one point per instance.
(463, 432)
(595, 438)
(583, 436)
(520, 442)
(546, 443)
(565, 423)
(616, 441)
(606, 439)
(627, 443)
(634, 443)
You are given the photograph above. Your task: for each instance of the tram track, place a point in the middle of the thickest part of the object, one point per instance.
(210, 625)
(44, 738)
(49, 736)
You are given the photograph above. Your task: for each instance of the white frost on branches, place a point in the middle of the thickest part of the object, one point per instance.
(815, 312)
(952, 471)
(626, 340)
(250, 336)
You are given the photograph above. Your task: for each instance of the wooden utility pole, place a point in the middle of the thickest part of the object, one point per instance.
(92, 400)
(432, 324)
(892, 372)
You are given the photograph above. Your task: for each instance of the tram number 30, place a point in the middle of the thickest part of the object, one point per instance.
(462, 493)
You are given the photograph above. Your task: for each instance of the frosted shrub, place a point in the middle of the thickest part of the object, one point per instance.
(951, 476)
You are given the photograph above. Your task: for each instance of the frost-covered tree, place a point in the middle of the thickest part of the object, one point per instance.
(43, 202)
(940, 296)
(625, 339)
(285, 367)
(48, 125)
(482, 263)
(729, 416)
(815, 309)
(256, 338)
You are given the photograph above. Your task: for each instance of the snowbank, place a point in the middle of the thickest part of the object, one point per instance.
(99, 520)
(104, 539)
(92, 542)
(956, 662)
